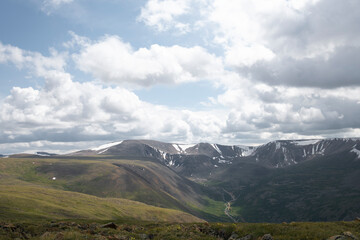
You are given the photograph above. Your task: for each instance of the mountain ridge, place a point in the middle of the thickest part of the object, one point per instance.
(274, 154)
(283, 180)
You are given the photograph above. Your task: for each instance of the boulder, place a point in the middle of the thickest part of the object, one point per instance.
(350, 235)
(233, 236)
(109, 225)
(337, 237)
(143, 236)
(343, 236)
(267, 237)
(247, 237)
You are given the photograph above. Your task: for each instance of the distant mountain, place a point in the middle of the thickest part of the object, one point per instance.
(196, 160)
(164, 151)
(284, 180)
(202, 158)
(287, 153)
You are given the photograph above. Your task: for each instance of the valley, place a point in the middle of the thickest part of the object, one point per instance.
(228, 206)
(312, 180)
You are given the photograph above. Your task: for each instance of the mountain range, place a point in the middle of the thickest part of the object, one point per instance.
(284, 180)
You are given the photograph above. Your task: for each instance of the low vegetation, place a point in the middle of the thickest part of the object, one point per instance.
(76, 198)
(62, 230)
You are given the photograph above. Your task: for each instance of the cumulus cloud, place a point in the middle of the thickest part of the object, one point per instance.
(113, 61)
(282, 76)
(341, 68)
(67, 111)
(312, 44)
(287, 112)
(35, 62)
(298, 66)
(64, 111)
(296, 43)
(162, 14)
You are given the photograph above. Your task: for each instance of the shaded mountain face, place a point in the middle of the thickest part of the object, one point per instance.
(326, 188)
(280, 154)
(199, 160)
(190, 160)
(286, 180)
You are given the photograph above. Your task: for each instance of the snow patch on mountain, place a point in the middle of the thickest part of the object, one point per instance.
(44, 154)
(162, 153)
(246, 150)
(104, 150)
(181, 148)
(216, 148)
(106, 146)
(224, 161)
(305, 142)
(278, 145)
(176, 146)
(186, 146)
(356, 151)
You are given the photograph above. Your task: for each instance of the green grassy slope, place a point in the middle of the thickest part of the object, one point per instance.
(136, 180)
(142, 181)
(22, 201)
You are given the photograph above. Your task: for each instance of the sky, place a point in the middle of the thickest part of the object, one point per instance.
(75, 74)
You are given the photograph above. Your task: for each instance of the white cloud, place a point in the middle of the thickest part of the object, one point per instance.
(66, 111)
(240, 55)
(311, 115)
(259, 102)
(339, 69)
(290, 111)
(161, 14)
(111, 60)
(57, 2)
(50, 5)
(301, 43)
(295, 43)
(33, 61)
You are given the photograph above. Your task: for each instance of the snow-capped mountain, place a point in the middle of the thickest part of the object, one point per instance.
(278, 181)
(207, 156)
(286, 153)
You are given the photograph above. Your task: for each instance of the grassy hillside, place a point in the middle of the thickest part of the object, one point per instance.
(142, 181)
(21, 201)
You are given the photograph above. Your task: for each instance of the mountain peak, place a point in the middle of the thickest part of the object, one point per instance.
(274, 154)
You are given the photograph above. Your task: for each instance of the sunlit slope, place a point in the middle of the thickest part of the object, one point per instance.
(22, 201)
(142, 181)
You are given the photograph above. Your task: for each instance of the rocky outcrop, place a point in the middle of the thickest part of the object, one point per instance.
(343, 236)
